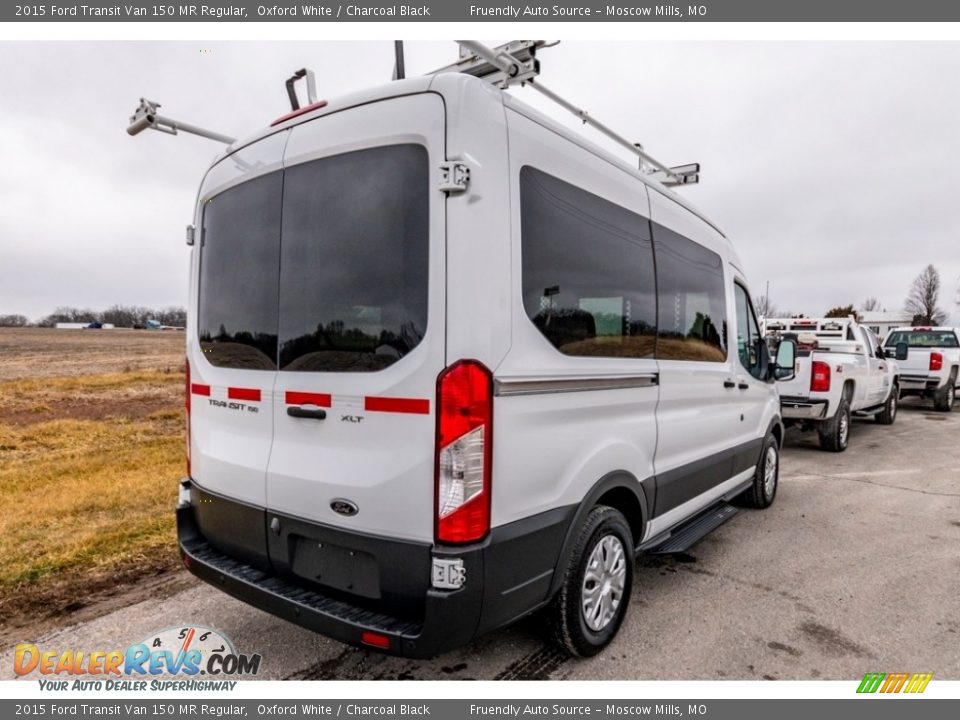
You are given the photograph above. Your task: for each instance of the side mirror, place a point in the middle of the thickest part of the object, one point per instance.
(902, 349)
(783, 368)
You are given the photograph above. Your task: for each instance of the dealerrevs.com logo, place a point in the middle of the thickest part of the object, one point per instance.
(190, 652)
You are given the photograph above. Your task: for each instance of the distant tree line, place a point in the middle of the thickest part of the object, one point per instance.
(129, 316)
(922, 303)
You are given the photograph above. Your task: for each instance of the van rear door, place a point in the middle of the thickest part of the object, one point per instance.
(361, 324)
(232, 344)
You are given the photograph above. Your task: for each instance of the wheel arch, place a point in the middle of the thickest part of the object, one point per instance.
(619, 489)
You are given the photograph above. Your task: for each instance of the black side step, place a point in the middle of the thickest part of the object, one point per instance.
(688, 534)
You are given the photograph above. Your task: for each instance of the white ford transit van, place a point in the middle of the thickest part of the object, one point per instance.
(450, 363)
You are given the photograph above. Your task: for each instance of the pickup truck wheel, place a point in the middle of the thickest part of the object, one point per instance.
(889, 412)
(766, 478)
(835, 432)
(586, 613)
(944, 399)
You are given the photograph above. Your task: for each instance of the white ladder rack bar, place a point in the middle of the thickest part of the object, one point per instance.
(146, 117)
(510, 67)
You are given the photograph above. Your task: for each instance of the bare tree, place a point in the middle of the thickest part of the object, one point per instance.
(14, 321)
(870, 304)
(923, 298)
(764, 307)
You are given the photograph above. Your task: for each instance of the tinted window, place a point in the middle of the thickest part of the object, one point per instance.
(748, 334)
(588, 278)
(923, 338)
(692, 312)
(354, 260)
(238, 275)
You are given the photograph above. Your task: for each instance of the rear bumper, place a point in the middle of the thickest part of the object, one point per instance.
(507, 576)
(792, 408)
(919, 383)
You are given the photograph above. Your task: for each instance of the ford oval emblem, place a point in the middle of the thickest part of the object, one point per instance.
(344, 507)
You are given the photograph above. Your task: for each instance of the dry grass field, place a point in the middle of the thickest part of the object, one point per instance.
(91, 448)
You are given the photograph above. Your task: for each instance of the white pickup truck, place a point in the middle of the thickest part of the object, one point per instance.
(931, 369)
(841, 372)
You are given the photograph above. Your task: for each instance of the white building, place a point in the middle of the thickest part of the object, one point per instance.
(81, 326)
(883, 321)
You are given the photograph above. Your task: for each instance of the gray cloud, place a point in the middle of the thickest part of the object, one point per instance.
(832, 166)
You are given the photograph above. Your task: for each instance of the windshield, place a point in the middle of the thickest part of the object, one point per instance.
(923, 338)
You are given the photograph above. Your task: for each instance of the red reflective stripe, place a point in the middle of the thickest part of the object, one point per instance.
(244, 394)
(308, 398)
(197, 389)
(301, 111)
(397, 405)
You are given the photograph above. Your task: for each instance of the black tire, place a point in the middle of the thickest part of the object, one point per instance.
(944, 398)
(761, 494)
(568, 623)
(889, 412)
(835, 432)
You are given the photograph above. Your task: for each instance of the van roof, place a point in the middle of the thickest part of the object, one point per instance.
(449, 86)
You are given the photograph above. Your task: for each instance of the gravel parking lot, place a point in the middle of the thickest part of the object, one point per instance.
(855, 568)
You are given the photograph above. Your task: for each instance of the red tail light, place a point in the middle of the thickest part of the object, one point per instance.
(936, 361)
(820, 377)
(463, 453)
(186, 404)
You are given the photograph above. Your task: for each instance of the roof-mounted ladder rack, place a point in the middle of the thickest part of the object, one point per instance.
(515, 63)
(146, 117)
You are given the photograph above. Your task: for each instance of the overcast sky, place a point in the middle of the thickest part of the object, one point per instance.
(833, 167)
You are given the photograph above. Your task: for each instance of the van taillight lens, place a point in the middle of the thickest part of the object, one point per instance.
(936, 361)
(463, 452)
(820, 379)
(186, 404)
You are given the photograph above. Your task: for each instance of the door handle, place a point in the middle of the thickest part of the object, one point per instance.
(301, 412)
(743, 386)
(728, 384)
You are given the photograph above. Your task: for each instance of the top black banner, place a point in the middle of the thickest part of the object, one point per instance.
(478, 11)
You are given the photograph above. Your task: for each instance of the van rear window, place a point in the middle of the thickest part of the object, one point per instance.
(354, 260)
(343, 288)
(240, 249)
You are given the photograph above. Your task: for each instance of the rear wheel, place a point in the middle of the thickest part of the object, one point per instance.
(944, 399)
(766, 478)
(835, 432)
(889, 412)
(587, 612)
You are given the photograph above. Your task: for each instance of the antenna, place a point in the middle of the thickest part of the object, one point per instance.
(399, 63)
(515, 63)
(146, 117)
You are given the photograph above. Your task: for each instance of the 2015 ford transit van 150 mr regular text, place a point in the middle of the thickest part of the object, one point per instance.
(450, 363)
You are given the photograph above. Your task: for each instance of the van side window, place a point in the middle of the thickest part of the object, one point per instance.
(588, 275)
(238, 292)
(748, 333)
(692, 313)
(354, 260)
